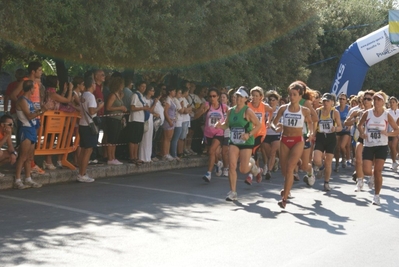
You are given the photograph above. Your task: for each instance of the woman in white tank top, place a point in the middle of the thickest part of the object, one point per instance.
(373, 128)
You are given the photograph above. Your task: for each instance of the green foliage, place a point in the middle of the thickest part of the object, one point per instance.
(267, 43)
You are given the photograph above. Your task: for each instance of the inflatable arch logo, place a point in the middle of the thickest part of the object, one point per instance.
(358, 58)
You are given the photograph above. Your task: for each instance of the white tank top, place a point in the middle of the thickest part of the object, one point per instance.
(395, 116)
(373, 127)
(293, 119)
(270, 131)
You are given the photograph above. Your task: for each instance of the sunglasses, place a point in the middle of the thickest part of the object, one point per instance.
(368, 99)
(8, 124)
(213, 96)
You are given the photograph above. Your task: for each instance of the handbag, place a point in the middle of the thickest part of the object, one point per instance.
(93, 128)
(97, 120)
(92, 125)
(157, 123)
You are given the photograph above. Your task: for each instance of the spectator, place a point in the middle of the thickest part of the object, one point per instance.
(186, 121)
(19, 75)
(88, 140)
(78, 89)
(52, 101)
(28, 137)
(158, 122)
(136, 123)
(35, 72)
(99, 78)
(178, 125)
(169, 123)
(115, 108)
(6, 127)
(145, 147)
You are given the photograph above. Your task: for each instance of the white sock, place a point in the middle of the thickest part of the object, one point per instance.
(18, 180)
(28, 179)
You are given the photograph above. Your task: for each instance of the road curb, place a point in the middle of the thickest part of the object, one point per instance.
(99, 171)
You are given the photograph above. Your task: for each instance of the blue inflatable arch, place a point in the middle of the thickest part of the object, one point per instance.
(358, 58)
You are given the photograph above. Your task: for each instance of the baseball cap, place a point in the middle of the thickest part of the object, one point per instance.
(327, 96)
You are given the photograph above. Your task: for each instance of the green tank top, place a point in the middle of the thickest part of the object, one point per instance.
(239, 125)
(117, 103)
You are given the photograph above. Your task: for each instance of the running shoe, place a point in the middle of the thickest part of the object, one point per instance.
(84, 179)
(33, 184)
(248, 180)
(311, 179)
(282, 193)
(336, 167)
(327, 186)
(207, 177)
(359, 185)
(394, 166)
(354, 176)
(376, 200)
(20, 185)
(296, 177)
(231, 196)
(259, 176)
(37, 170)
(265, 170)
(225, 172)
(275, 166)
(371, 182)
(343, 164)
(219, 168)
(268, 176)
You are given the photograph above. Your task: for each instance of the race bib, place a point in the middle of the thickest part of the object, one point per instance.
(259, 115)
(213, 119)
(325, 126)
(235, 135)
(374, 135)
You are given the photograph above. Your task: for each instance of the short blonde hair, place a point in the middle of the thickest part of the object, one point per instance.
(257, 89)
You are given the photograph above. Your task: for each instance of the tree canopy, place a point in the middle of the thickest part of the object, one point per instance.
(269, 43)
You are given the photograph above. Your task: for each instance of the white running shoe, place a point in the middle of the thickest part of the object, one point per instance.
(376, 200)
(275, 166)
(371, 182)
(225, 172)
(264, 169)
(327, 186)
(219, 168)
(311, 180)
(231, 196)
(359, 185)
(394, 166)
(207, 177)
(84, 179)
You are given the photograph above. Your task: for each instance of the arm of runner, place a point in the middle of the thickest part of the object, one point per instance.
(394, 126)
(275, 125)
(360, 126)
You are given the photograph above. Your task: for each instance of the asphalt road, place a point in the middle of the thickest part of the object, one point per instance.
(173, 218)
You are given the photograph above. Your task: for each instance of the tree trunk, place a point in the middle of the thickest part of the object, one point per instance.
(62, 72)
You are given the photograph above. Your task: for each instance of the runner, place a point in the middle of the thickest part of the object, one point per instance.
(292, 140)
(343, 137)
(215, 112)
(373, 127)
(306, 158)
(329, 123)
(271, 143)
(260, 110)
(354, 118)
(393, 140)
(243, 124)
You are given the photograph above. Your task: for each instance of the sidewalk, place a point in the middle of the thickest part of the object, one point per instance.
(101, 171)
